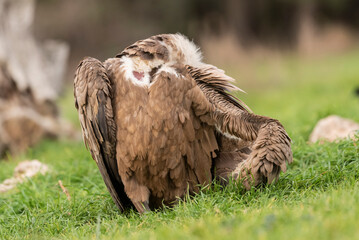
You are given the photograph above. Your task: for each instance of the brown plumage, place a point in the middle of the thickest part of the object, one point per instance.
(159, 123)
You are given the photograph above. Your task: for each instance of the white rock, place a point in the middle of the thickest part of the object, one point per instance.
(334, 128)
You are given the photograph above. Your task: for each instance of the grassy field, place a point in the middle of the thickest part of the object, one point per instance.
(317, 198)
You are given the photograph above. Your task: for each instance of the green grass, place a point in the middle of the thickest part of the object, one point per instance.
(317, 198)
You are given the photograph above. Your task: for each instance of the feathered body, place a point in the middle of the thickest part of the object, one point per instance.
(160, 123)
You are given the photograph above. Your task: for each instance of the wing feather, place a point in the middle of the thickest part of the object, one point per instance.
(271, 144)
(210, 77)
(92, 90)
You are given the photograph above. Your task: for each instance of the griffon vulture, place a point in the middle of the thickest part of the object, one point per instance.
(159, 123)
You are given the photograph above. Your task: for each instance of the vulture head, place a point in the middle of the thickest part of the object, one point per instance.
(160, 123)
(159, 53)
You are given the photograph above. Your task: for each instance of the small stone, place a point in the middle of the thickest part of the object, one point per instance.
(334, 128)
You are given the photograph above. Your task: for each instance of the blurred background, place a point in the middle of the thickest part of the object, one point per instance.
(297, 60)
(227, 31)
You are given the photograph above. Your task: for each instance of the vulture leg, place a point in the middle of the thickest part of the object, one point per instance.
(226, 163)
(232, 153)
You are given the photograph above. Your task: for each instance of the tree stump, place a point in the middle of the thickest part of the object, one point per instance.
(31, 77)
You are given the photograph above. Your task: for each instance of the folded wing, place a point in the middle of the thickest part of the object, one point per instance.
(92, 90)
